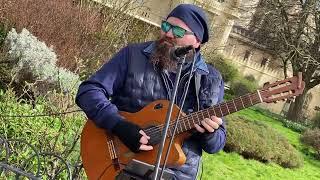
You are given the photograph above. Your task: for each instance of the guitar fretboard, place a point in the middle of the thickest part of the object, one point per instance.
(187, 122)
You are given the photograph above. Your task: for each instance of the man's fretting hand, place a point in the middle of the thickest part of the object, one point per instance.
(209, 124)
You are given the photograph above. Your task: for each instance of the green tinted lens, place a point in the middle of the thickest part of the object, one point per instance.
(178, 31)
(165, 26)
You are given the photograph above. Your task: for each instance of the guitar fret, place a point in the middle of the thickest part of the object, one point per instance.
(250, 100)
(207, 110)
(227, 108)
(234, 105)
(179, 125)
(184, 124)
(202, 115)
(220, 110)
(242, 102)
(188, 122)
(198, 118)
(193, 119)
(214, 112)
(260, 98)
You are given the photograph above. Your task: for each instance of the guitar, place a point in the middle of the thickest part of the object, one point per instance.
(104, 155)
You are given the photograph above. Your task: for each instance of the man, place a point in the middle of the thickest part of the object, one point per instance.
(142, 73)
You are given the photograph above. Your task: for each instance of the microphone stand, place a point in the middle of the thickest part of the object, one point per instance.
(177, 119)
(168, 116)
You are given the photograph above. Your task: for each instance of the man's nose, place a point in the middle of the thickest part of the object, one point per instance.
(170, 34)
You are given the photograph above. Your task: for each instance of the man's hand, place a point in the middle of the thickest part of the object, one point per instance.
(144, 141)
(132, 136)
(209, 124)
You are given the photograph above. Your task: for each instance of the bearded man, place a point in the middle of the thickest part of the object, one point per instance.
(142, 73)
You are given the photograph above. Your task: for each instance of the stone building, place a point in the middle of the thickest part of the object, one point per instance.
(229, 35)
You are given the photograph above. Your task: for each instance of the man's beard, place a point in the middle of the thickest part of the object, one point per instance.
(161, 57)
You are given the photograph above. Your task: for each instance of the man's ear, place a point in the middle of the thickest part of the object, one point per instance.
(197, 44)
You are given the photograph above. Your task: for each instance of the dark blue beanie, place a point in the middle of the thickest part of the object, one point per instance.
(195, 18)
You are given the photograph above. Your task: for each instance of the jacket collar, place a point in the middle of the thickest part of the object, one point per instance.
(201, 66)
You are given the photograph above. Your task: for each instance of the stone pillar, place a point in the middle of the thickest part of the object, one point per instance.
(232, 51)
(228, 24)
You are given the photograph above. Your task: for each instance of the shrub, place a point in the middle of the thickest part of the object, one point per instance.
(311, 137)
(37, 63)
(256, 140)
(78, 29)
(250, 78)
(294, 126)
(68, 28)
(3, 33)
(5, 66)
(52, 134)
(228, 71)
(241, 86)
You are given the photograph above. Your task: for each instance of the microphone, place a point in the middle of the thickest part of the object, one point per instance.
(177, 53)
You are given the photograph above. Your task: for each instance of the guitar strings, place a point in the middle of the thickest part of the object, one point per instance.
(190, 117)
(157, 129)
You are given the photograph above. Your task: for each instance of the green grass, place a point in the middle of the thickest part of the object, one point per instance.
(233, 166)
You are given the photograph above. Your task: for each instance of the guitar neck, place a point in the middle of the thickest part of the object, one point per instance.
(187, 122)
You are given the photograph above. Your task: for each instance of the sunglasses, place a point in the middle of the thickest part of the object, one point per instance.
(177, 31)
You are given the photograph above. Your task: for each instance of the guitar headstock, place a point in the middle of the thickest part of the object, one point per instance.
(284, 89)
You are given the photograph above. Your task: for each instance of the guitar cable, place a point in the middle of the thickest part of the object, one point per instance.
(104, 171)
(107, 169)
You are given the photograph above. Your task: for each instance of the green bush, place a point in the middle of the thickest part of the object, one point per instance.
(256, 140)
(242, 86)
(250, 78)
(294, 126)
(53, 134)
(311, 137)
(3, 33)
(228, 71)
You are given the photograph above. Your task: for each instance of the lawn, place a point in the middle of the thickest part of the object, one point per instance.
(233, 166)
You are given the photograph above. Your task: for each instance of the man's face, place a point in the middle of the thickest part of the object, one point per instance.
(187, 39)
(161, 56)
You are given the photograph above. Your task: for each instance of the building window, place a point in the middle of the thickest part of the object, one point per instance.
(246, 55)
(264, 62)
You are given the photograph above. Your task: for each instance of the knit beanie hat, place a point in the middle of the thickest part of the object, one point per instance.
(195, 19)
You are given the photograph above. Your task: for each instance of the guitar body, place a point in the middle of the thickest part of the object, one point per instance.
(104, 155)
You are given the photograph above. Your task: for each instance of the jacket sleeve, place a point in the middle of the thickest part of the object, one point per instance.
(214, 142)
(94, 94)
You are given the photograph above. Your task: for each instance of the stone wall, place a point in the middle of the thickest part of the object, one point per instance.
(270, 72)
